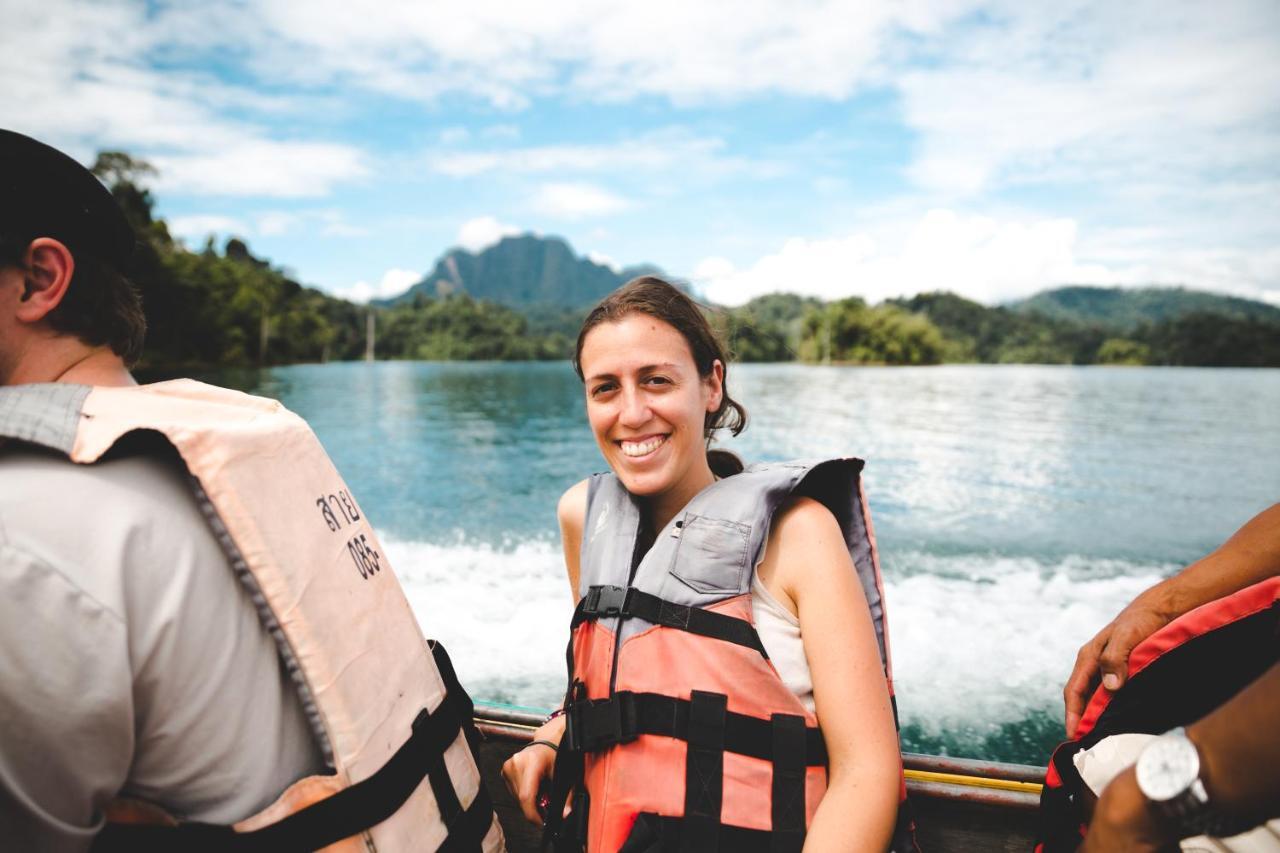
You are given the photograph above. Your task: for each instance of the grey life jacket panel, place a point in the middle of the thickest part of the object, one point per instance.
(710, 550)
(46, 414)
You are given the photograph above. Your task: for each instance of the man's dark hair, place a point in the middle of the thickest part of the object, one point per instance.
(101, 307)
(48, 194)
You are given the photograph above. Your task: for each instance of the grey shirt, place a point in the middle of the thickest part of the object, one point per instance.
(132, 662)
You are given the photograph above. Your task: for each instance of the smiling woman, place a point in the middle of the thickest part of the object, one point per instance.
(656, 392)
(721, 611)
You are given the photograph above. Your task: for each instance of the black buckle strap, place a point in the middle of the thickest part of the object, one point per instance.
(788, 793)
(704, 772)
(353, 809)
(594, 725)
(603, 602)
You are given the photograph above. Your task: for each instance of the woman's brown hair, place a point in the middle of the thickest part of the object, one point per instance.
(664, 301)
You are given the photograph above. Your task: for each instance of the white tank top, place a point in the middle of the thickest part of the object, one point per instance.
(779, 631)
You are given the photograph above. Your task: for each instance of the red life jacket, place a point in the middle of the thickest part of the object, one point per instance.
(680, 735)
(1176, 676)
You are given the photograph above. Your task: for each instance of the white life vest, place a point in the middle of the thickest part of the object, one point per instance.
(383, 702)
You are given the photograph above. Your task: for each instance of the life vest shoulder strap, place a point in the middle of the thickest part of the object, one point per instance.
(353, 809)
(631, 603)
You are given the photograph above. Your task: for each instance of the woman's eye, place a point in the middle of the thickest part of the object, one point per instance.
(658, 380)
(602, 388)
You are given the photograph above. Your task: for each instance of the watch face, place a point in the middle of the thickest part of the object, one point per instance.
(1167, 767)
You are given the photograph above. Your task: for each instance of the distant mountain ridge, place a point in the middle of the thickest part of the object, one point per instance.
(1126, 308)
(522, 272)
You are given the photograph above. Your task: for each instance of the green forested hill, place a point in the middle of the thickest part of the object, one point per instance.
(1126, 308)
(521, 272)
(525, 299)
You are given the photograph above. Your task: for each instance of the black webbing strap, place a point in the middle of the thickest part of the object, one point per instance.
(788, 783)
(566, 777)
(628, 602)
(653, 833)
(704, 772)
(353, 809)
(591, 726)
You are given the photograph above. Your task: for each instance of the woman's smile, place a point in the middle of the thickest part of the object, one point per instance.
(640, 448)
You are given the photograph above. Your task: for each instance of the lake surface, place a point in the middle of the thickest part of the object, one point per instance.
(1017, 507)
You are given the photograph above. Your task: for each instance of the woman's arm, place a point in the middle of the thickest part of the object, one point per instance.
(524, 771)
(807, 566)
(571, 512)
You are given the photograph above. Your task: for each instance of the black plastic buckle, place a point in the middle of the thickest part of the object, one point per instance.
(595, 725)
(605, 601)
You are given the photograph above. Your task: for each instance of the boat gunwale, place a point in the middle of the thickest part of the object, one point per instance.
(996, 783)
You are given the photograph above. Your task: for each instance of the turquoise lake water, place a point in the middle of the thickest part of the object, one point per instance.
(1017, 507)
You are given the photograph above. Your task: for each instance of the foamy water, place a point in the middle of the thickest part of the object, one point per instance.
(980, 644)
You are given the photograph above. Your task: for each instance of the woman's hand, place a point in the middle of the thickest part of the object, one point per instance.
(525, 771)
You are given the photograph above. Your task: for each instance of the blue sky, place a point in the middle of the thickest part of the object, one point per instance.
(877, 148)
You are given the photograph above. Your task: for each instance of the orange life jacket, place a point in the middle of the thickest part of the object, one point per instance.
(1176, 676)
(679, 733)
(385, 706)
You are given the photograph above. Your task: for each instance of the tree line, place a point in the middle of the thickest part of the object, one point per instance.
(224, 307)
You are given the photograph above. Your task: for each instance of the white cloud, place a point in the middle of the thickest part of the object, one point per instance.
(652, 151)
(197, 227)
(327, 222)
(601, 259)
(454, 136)
(260, 168)
(508, 53)
(393, 283)
(276, 222)
(576, 200)
(80, 76)
(480, 233)
(1109, 93)
(988, 259)
(977, 256)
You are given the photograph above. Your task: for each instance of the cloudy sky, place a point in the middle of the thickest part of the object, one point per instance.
(877, 147)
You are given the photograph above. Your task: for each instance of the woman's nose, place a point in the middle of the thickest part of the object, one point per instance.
(635, 410)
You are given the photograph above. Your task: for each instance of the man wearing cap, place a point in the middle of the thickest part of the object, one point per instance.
(132, 662)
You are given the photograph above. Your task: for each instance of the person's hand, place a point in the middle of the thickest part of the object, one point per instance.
(1122, 821)
(525, 771)
(1106, 656)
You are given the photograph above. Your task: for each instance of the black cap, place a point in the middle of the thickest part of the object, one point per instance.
(45, 193)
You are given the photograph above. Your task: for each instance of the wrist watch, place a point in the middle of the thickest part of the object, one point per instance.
(1168, 774)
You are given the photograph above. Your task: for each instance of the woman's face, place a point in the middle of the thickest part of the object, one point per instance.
(646, 403)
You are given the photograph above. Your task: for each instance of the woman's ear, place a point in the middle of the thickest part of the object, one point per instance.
(715, 385)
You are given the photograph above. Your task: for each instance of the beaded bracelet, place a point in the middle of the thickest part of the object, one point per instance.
(558, 712)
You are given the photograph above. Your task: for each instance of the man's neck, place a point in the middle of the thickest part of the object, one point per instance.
(67, 359)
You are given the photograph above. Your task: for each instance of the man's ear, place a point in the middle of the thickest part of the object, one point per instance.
(49, 268)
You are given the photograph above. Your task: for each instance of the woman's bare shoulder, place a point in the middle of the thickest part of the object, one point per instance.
(800, 519)
(572, 508)
(806, 546)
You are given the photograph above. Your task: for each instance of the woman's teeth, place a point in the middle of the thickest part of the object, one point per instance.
(641, 448)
